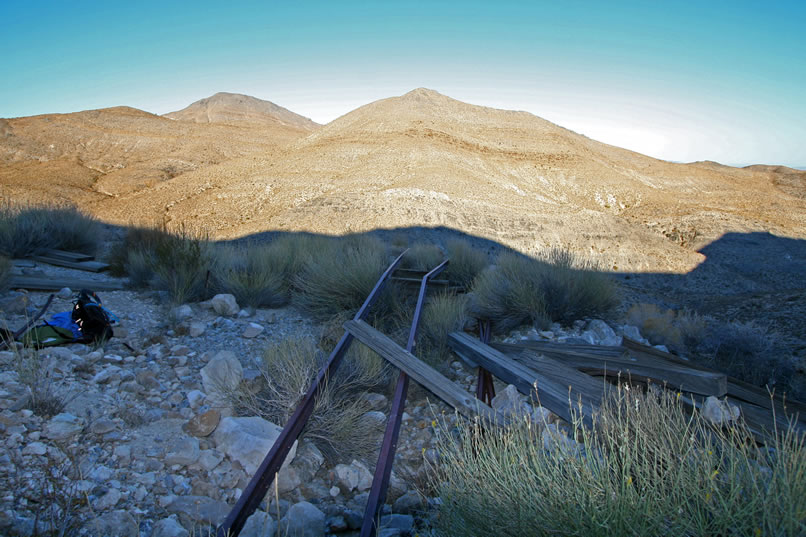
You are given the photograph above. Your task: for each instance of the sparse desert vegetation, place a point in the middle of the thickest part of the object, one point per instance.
(647, 468)
(27, 230)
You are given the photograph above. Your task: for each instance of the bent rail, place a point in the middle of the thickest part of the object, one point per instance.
(257, 488)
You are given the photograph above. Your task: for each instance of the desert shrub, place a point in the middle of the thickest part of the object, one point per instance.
(466, 263)
(750, 352)
(422, 257)
(178, 262)
(659, 326)
(647, 468)
(557, 287)
(340, 277)
(257, 275)
(573, 288)
(337, 425)
(28, 230)
(5, 273)
(443, 313)
(509, 294)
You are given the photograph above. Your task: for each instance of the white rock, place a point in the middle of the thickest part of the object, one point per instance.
(197, 328)
(355, 476)
(225, 304)
(247, 440)
(196, 398)
(260, 524)
(221, 375)
(183, 312)
(210, 458)
(252, 330)
(376, 401)
(302, 520)
(65, 293)
(35, 448)
(510, 402)
(168, 527)
(107, 501)
(334, 491)
(632, 332)
(719, 412)
(63, 426)
(183, 451)
(604, 334)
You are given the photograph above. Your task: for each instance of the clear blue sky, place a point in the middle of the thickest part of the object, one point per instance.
(679, 80)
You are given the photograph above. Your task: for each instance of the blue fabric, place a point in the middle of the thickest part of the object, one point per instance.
(65, 320)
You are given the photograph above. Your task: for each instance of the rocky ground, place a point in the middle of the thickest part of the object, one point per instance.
(146, 446)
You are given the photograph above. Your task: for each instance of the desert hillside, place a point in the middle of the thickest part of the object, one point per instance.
(235, 108)
(421, 159)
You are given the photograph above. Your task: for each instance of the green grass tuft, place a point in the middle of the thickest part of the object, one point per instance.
(466, 263)
(556, 287)
(340, 276)
(422, 257)
(257, 275)
(648, 468)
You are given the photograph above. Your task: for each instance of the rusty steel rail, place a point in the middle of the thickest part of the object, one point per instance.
(257, 488)
(27, 326)
(383, 470)
(485, 390)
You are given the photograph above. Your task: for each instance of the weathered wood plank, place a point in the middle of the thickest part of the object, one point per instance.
(558, 386)
(38, 283)
(68, 256)
(89, 266)
(575, 349)
(428, 377)
(638, 368)
(735, 387)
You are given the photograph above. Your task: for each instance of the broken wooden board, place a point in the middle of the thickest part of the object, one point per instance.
(428, 377)
(67, 256)
(89, 266)
(735, 388)
(39, 283)
(607, 361)
(558, 386)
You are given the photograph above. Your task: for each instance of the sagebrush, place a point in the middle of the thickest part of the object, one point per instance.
(27, 230)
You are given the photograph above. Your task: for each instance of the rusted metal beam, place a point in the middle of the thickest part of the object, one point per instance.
(485, 389)
(383, 470)
(257, 488)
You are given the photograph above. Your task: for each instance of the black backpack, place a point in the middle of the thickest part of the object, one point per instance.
(92, 319)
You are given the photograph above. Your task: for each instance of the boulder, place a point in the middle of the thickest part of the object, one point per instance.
(248, 440)
(196, 328)
(604, 335)
(225, 304)
(353, 476)
(183, 451)
(119, 523)
(252, 330)
(302, 520)
(195, 509)
(182, 313)
(203, 424)
(63, 427)
(260, 524)
(168, 527)
(511, 402)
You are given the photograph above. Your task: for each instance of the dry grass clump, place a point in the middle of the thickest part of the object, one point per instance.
(443, 313)
(340, 276)
(555, 287)
(178, 262)
(257, 275)
(422, 257)
(28, 230)
(338, 425)
(466, 263)
(46, 397)
(647, 468)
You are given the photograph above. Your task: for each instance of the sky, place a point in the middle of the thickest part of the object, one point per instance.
(682, 81)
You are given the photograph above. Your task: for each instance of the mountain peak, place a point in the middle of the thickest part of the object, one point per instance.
(237, 108)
